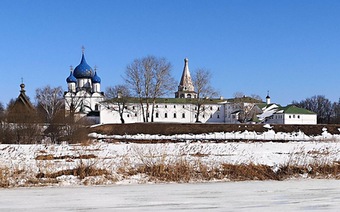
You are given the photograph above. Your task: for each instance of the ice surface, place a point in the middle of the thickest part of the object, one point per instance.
(292, 195)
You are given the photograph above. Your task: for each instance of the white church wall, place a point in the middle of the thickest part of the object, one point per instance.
(164, 112)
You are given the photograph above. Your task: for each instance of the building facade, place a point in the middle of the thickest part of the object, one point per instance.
(84, 98)
(290, 114)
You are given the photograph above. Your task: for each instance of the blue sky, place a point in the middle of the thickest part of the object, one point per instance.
(291, 48)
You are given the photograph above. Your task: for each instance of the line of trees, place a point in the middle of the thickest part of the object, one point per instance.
(46, 121)
(328, 112)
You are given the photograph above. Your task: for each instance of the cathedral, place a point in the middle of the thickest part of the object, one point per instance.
(84, 99)
(83, 95)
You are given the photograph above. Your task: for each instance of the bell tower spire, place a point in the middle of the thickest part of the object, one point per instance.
(267, 98)
(186, 88)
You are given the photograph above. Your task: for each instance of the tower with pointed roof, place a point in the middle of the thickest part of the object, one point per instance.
(22, 109)
(186, 88)
(83, 95)
(267, 98)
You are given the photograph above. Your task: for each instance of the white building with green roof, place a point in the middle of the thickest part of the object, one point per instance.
(84, 85)
(276, 114)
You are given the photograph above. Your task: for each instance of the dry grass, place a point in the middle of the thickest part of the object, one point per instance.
(64, 157)
(80, 171)
(185, 171)
(4, 177)
(248, 172)
(156, 165)
(180, 171)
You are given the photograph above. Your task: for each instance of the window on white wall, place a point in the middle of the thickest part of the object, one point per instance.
(175, 115)
(165, 115)
(183, 115)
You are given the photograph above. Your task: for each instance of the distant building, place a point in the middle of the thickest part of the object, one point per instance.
(22, 109)
(290, 114)
(84, 98)
(183, 108)
(84, 94)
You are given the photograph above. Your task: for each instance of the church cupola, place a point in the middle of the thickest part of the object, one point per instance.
(71, 81)
(267, 98)
(96, 81)
(84, 74)
(83, 70)
(186, 87)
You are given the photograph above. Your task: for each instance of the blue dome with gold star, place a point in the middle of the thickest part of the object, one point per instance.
(83, 70)
(71, 78)
(95, 78)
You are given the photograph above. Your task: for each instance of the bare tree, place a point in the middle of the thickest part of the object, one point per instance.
(256, 96)
(50, 100)
(320, 105)
(239, 94)
(2, 111)
(204, 90)
(336, 112)
(73, 103)
(149, 78)
(246, 108)
(119, 95)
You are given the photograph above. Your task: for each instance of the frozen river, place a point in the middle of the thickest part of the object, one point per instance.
(292, 195)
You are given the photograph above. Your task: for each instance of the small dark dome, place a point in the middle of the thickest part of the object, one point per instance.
(95, 78)
(83, 70)
(71, 78)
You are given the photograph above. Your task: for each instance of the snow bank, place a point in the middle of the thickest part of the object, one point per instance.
(112, 156)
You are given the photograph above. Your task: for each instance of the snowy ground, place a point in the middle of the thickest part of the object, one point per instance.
(292, 195)
(111, 156)
(127, 193)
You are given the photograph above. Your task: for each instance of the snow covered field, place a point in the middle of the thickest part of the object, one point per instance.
(30, 160)
(292, 195)
(139, 193)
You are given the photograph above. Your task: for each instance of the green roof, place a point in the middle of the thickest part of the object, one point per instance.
(244, 99)
(292, 109)
(169, 100)
(188, 100)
